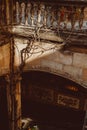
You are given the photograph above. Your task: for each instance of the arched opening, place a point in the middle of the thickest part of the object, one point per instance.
(52, 101)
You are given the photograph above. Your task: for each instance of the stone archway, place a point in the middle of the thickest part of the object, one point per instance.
(53, 101)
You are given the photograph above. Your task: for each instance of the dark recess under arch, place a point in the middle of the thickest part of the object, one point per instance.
(48, 115)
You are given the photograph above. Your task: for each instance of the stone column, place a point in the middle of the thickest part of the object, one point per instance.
(14, 104)
(14, 92)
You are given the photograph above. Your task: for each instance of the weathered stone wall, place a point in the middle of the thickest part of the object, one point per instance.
(47, 57)
(68, 64)
(64, 65)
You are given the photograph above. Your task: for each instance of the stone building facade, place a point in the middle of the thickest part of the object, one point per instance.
(42, 37)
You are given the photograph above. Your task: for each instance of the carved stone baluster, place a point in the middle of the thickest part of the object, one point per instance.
(85, 13)
(28, 14)
(34, 16)
(17, 13)
(42, 8)
(48, 17)
(62, 17)
(81, 19)
(41, 15)
(44, 22)
(52, 18)
(54, 21)
(69, 18)
(77, 18)
(58, 18)
(35, 13)
(23, 13)
(66, 22)
(84, 26)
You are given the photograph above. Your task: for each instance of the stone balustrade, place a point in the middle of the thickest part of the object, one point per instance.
(51, 16)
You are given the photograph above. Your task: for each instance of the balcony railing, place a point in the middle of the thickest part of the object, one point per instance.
(51, 16)
(64, 17)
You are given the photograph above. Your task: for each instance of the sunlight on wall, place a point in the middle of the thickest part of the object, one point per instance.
(36, 51)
